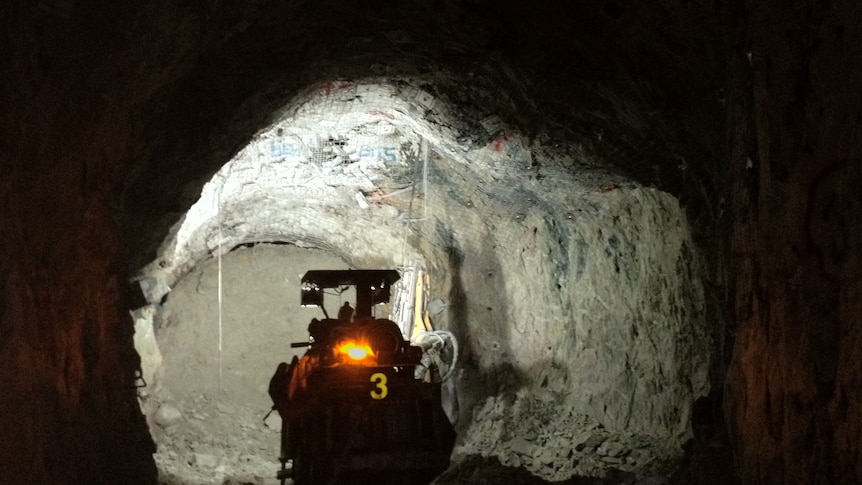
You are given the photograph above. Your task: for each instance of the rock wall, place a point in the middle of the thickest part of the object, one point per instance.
(795, 384)
(69, 370)
(581, 321)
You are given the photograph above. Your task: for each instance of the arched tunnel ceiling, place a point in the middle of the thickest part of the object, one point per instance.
(343, 146)
(588, 83)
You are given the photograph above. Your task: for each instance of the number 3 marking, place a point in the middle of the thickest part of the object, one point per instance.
(381, 390)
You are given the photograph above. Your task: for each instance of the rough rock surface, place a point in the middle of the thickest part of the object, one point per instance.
(796, 379)
(207, 404)
(209, 425)
(620, 341)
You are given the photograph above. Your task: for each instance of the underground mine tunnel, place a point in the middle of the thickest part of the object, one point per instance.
(356, 173)
(640, 221)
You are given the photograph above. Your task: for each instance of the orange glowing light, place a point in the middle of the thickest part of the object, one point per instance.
(355, 350)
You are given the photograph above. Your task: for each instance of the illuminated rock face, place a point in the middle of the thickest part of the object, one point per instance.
(577, 297)
(570, 158)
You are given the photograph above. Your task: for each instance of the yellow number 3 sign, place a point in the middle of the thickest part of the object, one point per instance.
(380, 390)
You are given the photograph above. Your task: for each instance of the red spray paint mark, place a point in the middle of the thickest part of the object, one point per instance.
(329, 86)
(374, 112)
(498, 143)
(327, 89)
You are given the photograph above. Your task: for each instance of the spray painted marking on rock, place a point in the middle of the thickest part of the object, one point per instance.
(389, 154)
(297, 151)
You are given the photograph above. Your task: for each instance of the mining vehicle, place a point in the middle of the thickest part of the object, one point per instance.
(358, 406)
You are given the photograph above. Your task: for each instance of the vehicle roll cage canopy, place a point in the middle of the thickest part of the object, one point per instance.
(373, 286)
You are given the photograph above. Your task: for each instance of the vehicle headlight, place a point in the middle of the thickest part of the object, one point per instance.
(355, 350)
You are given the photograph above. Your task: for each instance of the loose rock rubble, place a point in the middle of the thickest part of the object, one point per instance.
(557, 444)
(208, 424)
(204, 441)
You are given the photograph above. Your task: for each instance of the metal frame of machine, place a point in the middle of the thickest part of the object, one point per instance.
(354, 408)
